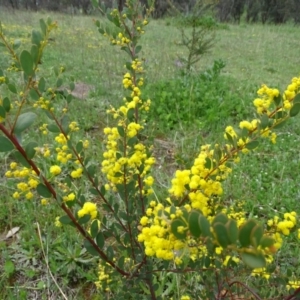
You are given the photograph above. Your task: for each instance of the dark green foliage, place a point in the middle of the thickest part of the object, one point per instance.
(201, 100)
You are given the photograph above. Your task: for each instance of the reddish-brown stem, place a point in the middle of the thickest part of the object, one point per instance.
(292, 297)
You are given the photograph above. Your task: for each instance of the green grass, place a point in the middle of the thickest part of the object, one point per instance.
(267, 181)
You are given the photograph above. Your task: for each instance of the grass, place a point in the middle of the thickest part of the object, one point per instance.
(266, 181)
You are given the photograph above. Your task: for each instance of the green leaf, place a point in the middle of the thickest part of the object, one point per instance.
(174, 228)
(252, 145)
(91, 170)
(295, 109)
(43, 191)
(72, 85)
(12, 88)
(79, 146)
(26, 62)
(16, 44)
(121, 131)
(36, 37)
(94, 228)
(256, 235)
(24, 121)
(232, 231)
(66, 220)
(204, 226)
(2, 112)
(254, 260)
(221, 234)
(5, 144)
(229, 138)
(84, 219)
(53, 128)
(208, 163)
(90, 248)
(266, 242)
(110, 252)
(278, 100)
(30, 149)
(34, 51)
(6, 104)
(138, 49)
(34, 95)
(43, 26)
(194, 226)
(297, 99)
(100, 240)
(264, 121)
(20, 158)
(220, 218)
(42, 85)
(49, 21)
(65, 124)
(245, 233)
(59, 82)
(93, 191)
(69, 98)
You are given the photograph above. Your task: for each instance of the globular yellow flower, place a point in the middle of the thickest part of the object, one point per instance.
(71, 197)
(29, 196)
(44, 201)
(185, 297)
(144, 221)
(55, 170)
(13, 165)
(77, 173)
(88, 208)
(16, 195)
(57, 222)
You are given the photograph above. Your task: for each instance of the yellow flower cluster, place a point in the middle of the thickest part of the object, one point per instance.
(55, 170)
(88, 208)
(73, 126)
(286, 225)
(265, 100)
(43, 103)
(293, 284)
(63, 155)
(29, 180)
(44, 129)
(137, 66)
(267, 96)
(104, 277)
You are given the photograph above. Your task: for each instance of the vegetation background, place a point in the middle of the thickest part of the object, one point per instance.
(259, 43)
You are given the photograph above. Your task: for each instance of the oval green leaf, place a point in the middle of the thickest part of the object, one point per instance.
(245, 232)
(5, 144)
(43, 191)
(295, 109)
(24, 121)
(194, 226)
(26, 62)
(221, 235)
(254, 260)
